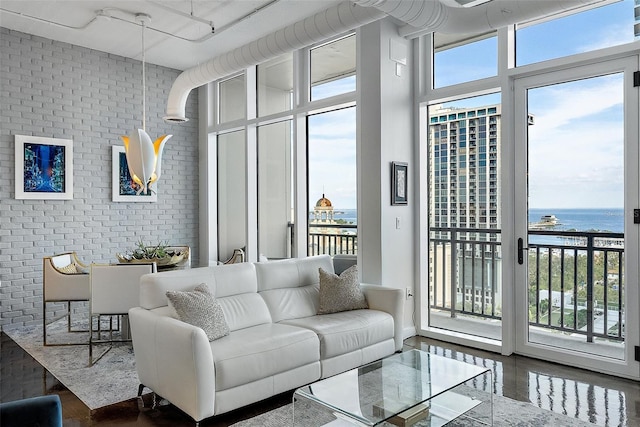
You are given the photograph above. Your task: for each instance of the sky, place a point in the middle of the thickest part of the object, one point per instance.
(575, 151)
(332, 158)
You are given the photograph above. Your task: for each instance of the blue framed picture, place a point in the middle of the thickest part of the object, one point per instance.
(44, 168)
(123, 187)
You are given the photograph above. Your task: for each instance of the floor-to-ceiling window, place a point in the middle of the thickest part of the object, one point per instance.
(296, 126)
(275, 190)
(331, 151)
(231, 189)
(465, 254)
(464, 140)
(523, 253)
(332, 182)
(275, 149)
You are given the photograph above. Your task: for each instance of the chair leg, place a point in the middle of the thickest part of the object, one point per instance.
(45, 322)
(68, 316)
(93, 361)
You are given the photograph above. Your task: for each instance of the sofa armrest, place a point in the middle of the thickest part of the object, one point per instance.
(174, 359)
(390, 300)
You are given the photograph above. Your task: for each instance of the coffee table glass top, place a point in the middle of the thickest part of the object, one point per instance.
(381, 390)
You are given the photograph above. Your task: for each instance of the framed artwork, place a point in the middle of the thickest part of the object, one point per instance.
(399, 183)
(44, 168)
(123, 188)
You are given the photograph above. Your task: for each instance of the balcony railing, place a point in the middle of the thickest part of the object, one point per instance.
(465, 271)
(576, 285)
(332, 239)
(575, 282)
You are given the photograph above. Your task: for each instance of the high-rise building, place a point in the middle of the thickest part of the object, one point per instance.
(464, 172)
(465, 161)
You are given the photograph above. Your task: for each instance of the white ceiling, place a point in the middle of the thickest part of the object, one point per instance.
(111, 25)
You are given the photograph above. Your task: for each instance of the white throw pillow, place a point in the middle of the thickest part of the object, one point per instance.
(340, 293)
(199, 308)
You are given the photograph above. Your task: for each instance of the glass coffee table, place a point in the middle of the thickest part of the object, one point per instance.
(405, 389)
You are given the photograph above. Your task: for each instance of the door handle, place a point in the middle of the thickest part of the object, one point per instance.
(521, 250)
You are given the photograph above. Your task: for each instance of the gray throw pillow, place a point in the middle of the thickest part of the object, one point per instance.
(199, 308)
(340, 293)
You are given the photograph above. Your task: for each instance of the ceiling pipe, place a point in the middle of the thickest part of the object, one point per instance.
(422, 16)
(425, 16)
(333, 21)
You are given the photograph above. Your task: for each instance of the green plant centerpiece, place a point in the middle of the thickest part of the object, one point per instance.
(162, 254)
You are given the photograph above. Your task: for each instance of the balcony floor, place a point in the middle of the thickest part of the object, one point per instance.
(492, 329)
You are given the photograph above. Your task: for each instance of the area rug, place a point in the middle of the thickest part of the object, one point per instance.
(111, 380)
(506, 413)
(114, 379)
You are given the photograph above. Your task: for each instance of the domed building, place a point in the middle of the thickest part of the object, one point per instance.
(323, 211)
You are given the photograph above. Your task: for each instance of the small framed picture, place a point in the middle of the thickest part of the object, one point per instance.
(399, 183)
(123, 187)
(44, 168)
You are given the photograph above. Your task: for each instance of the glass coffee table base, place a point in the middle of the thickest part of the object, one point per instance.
(406, 389)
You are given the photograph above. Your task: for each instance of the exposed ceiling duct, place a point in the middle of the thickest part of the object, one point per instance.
(336, 20)
(421, 16)
(424, 16)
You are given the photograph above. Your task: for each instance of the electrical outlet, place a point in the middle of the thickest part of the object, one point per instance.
(408, 293)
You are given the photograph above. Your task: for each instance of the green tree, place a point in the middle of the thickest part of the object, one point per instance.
(544, 307)
(582, 319)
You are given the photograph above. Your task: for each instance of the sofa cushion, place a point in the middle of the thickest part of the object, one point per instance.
(291, 273)
(244, 310)
(224, 280)
(347, 331)
(250, 354)
(290, 287)
(340, 293)
(199, 308)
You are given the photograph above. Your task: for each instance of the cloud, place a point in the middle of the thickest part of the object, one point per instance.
(556, 106)
(579, 120)
(332, 158)
(576, 146)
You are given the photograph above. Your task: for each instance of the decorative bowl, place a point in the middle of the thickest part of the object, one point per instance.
(171, 260)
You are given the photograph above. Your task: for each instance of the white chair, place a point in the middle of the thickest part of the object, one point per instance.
(64, 279)
(115, 288)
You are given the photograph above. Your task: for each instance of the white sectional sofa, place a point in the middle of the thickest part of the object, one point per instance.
(276, 343)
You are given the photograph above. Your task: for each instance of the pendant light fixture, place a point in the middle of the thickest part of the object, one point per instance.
(143, 156)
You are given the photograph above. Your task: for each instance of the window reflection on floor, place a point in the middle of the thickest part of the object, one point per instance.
(595, 398)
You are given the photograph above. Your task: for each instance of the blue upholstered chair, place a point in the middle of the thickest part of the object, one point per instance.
(41, 411)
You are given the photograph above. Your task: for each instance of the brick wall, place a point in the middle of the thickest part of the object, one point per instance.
(58, 90)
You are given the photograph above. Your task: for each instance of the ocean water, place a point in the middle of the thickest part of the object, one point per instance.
(349, 215)
(611, 220)
(579, 219)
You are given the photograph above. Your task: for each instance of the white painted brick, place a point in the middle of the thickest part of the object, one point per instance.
(55, 89)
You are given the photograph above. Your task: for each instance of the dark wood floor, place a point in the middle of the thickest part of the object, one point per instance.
(600, 399)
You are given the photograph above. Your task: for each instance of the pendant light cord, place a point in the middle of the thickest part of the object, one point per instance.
(144, 83)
